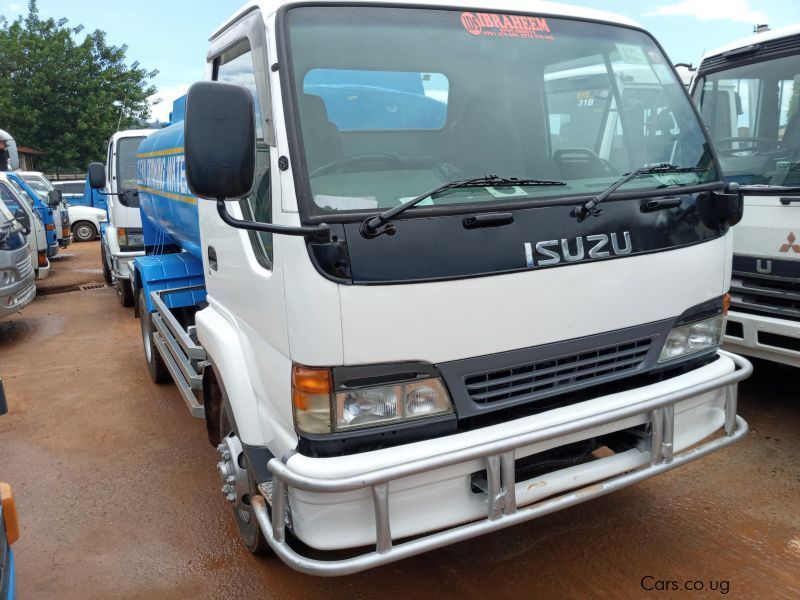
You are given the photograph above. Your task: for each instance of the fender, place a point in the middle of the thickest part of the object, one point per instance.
(220, 338)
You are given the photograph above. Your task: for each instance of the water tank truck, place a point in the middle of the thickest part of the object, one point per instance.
(407, 336)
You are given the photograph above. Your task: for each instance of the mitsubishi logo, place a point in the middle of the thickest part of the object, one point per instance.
(791, 245)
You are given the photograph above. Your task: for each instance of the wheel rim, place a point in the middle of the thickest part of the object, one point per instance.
(235, 483)
(84, 232)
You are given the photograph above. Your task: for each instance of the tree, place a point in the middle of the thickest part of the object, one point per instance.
(65, 96)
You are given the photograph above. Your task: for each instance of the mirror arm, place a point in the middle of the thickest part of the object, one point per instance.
(321, 230)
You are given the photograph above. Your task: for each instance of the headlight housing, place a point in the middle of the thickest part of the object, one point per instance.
(696, 336)
(127, 237)
(319, 408)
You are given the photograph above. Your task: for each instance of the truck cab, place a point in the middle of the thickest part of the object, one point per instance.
(122, 239)
(749, 95)
(42, 186)
(35, 229)
(44, 206)
(17, 285)
(417, 313)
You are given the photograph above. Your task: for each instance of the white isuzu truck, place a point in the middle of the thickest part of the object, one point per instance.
(418, 288)
(121, 238)
(749, 95)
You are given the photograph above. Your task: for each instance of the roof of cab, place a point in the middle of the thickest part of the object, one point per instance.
(551, 9)
(755, 38)
(132, 133)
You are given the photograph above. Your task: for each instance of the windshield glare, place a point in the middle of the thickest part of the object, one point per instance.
(753, 118)
(397, 101)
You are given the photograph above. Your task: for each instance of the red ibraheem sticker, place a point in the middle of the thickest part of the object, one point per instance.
(507, 26)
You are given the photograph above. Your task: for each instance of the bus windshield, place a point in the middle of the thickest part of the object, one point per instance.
(400, 100)
(752, 113)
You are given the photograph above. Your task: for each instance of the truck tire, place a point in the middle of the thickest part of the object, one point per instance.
(155, 363)
(84, 231)
(106, 270)
(233, 465)
(124, 293)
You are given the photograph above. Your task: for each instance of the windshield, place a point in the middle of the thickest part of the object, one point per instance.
(10, 199)
(5, 215)
(38, 184)
(397, 101)
(752, 116)
(22, 191)
(126, 162)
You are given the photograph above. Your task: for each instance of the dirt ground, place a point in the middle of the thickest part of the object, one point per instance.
(118, 494)
(73, 266)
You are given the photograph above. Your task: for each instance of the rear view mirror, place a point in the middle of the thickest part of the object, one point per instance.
(219, 140)
(97, 176)
(53, 198)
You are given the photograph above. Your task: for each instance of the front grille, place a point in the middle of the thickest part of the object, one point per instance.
(554, 375)
(25, 267)
(773, 297)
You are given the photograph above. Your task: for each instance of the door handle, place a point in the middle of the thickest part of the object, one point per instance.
(212, 258)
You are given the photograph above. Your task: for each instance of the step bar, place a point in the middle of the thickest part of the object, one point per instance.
(185, 359)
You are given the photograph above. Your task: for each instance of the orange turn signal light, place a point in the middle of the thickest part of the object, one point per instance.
(309, 381)
(9, 513)
(50, 227)
(726, 303)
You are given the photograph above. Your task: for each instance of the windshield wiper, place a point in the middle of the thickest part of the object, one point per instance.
(589, 208)
(371, 227)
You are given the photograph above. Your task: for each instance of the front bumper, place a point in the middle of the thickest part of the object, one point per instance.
(426, 487)
(769, 338)
(16, 297)
(52, 249)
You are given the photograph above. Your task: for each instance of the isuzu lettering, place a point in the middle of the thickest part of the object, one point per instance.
(414, 312)
(749, 96)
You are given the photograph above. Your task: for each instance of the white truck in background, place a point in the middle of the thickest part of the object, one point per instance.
(122, 239)
(42, 186)
(748, 93)
(417, 287)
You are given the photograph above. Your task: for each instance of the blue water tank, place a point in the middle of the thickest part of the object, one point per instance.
(169, 210)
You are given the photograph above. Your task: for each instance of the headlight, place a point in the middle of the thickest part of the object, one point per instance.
(102, 218)
(693, 338)
(318, 409)
(391, 403)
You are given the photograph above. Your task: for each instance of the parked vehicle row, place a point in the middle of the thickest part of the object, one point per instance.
(412, 310)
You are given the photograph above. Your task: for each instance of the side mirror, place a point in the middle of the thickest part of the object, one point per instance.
(53, 198)
(21, 216)
(723, 208)
(97, 176)
(219, 140)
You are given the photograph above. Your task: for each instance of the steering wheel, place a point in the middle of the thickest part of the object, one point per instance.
(359, 159)
(752, 149)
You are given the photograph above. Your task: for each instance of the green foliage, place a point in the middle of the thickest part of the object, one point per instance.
(65, 96)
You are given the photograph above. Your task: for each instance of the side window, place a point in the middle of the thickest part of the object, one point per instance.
(236, 66)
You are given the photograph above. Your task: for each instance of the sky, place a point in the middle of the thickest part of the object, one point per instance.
(171, 35)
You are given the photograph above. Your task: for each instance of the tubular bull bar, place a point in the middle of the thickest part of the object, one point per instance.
(499, 458)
